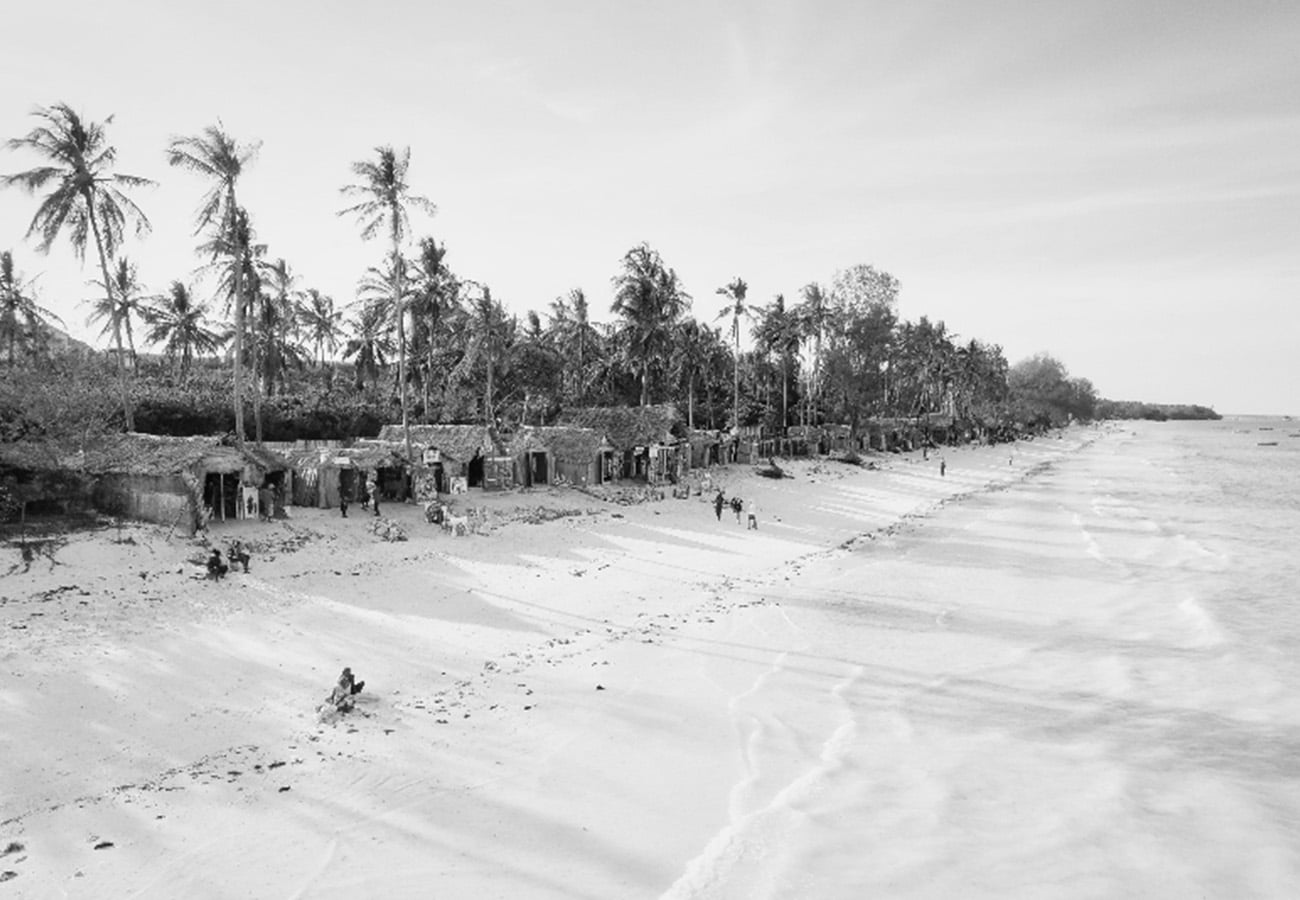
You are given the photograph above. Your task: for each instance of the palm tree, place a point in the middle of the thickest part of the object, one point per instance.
(735, 294)
(86, 195)
(217, 156)
(177, 322)
(370, 342)
(122, 299)
(650, 299)
(433, 299)
(690, 357)
(575, 338)
(814, 316)
(22, 319)
(384, 197)
(490, 333)
(277, 342)
(320, 322)
(778, 333)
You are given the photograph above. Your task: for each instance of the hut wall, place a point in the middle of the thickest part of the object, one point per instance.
(163, 499)
(306, 486)
(577, 471)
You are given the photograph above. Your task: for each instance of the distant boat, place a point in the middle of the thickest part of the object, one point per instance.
(1268, 443)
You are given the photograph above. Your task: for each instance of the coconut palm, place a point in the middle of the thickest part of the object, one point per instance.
(383, 197)
(370, 343)
(85, 195)
(122, 300)
(650, 299)
(737, 310)
(434, 299)
(690, 357)
(22, 319)
(277, 325)
(321, 324)
(215, 155)
(576, 340)
(489, 334)
(179, 323)
(814, 316)
(777, 334)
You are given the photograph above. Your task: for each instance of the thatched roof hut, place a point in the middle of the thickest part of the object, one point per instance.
(571, 452)
(323, 475)
(460, 443)
(630, 426)
(151, 454)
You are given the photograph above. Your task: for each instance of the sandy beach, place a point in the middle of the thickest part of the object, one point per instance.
(592, 700)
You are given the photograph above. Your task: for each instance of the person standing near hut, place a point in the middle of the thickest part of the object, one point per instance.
(719, 502)
(343, 504)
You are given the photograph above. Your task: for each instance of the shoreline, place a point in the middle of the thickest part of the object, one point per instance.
(167, 714)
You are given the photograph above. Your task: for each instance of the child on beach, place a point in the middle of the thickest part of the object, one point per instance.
(239, 555)
(217, 569)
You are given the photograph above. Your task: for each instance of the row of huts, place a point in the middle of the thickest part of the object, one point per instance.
(186, 482)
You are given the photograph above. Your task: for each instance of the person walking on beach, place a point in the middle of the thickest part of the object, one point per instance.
(343, 505)
(718, 502)
(752, 521)
(943, 467)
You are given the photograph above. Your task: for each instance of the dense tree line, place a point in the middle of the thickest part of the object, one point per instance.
(422, 342)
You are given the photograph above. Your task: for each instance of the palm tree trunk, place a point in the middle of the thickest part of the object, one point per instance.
(735, 414)
(127, 412)
(259, 365)
(239, 353)
(690, 401)
(401, 339)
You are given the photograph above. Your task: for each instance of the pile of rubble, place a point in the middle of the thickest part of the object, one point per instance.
(386, 529)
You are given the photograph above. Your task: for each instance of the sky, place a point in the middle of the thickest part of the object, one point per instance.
(1114, 183)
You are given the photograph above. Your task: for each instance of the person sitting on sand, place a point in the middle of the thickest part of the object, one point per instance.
(217, 569)
(238, 555)
(347, 688)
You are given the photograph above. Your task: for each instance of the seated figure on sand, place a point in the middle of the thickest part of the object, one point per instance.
(340, 699)
(217, 568)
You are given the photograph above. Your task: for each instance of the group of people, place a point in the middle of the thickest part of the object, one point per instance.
(218, 567)
(737, 507)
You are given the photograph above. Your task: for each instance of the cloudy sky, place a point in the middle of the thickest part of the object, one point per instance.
(1116, 183)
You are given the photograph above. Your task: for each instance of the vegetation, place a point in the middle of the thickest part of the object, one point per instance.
(421, 342)
(1156, 412)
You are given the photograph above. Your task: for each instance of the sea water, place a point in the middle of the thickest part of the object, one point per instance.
(1084, 685)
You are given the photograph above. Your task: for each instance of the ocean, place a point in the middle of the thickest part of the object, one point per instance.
(1084, 684)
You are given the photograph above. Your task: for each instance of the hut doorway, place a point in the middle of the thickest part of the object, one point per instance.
(348, 485)
(221, 494)
(476, 470)
(391, 483)
(536, 471)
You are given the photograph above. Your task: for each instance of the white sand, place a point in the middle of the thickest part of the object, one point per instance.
(636, 702)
